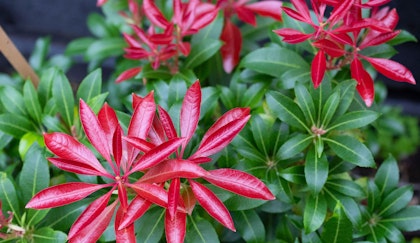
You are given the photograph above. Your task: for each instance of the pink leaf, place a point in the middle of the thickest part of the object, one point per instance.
(156, 155)
(231, 36)
(377, 39)
(122, 195)
(151, 192)
(175, 227)
(135, 210)
(173, 197)
(157, 132)
(171, 169)
(209, 201)
(364, 81)
(292, 36)
(240, 183)
(318, 67)
(123, 234)
(140, 144)
(297, 15)
(117, 148)
(94, 131)
(167, 123)
(66, 147)
(189, 199)
(338, 13)
(267, 8)
(392, 69)
(108, 120)
(89, 214)
(246, 15)
(76, 167)
(303, 10)
(154, 15)
(128, 74)
(93, 231)
(190, 113)
(331, 48)
(142, 117)
(63, 194)
(205, 14)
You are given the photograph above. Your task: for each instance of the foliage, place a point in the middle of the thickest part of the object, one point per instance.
(222, 121)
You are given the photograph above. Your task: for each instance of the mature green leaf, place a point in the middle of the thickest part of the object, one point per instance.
(259, 128)
(35, 174)
(329, 108)
(96, 102)
(8, 195)
(161, 73)
(79, 46)
(15, 125)
(294, 145)
(4, 139)
(201, 52)
(338, 228)
(402, 37)
(34, 216)
(62, 218)
(347, 89)
(346, 187)
(373, 196)
(45, 85)
(286, 109)
(249, 226)
(48, 235)
(350, 206)
(209, 99)
(63, 96)
(200, 230)
(407, 219)
(178, 88)
(150, 226)
(13, 100)
(98, 25)
(211, 31)
(39, 54)
(274, 61)
(30, 97)
(239, 203)
(306, 103)
(311, 238)
(387, 176)
(390, 232)
(354, 119)
(315, 212)
(396, 200)
(316, 171)
(381, 51)
(294, 174)
(351, 150)
(253, 95)
(106, 47)
(90, 86)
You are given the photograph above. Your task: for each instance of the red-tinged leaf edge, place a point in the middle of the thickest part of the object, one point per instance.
(240, 183)
(212, 204)
(318, 68)
(231, 49)
(171, 169)
(175, 228)
(93, 231)
(190, 113)
(365, 85)
(89, 214)
(124, 234)
(391, 69)
(270, 9)
(63, 194)
(128, 74)
(137, 207)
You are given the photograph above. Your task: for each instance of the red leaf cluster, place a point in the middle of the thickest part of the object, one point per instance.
(152, 146)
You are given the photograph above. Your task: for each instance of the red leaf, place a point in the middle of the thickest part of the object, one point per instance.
(297, 15)
(205, 14)
(75, 167)
(157, 132)
(153, 193)
(392, 69)
(240, 183)
(189, 199)
(377, 39)
(267, 8)
(292, 36)
(135, 210)
(154, 15)
(123, 234)
(209, 201)
(108, 120)
(175, 227)
(117, 148)
(185, 48)
(220, 138)
(246, 15)
(302, 9)
(231, 36)
(93, 231)
(142, 117)
(177, 9)
(173, 197)
(318, 67)
(174, 168)
(364, 81)
(331, 48)
(122, 195)
(140, 144)
(63, 194)
(338, 13)
(66, 147)
(156, 155)
(89, 214)
(167, 123)
(128, 74)
(376, 3)
(131, 41)
(190, 113)
(94, 131)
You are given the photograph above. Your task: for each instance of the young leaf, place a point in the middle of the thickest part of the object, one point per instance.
(249, 225)
(62, 94)
(315, 212)
(175, 228)
(190, 113)
(316, 171)
(30, 97)
(338, 228)
(231, 49)
(318, 67)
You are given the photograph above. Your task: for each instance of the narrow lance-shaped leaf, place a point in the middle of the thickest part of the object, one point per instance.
(407, 219)
(395, 201)
(125, 234)
(175, 227)
(142, 117)
(30, 97)
(318, 67)
(392, 69)
(316, 171)
(63, 96)
(249, 225)
(151, 192)
(90, 86)
(353, 119)
(231, 49)
(329, 108)
(387, 176)
(305, 102)
(315, 212)
(190, 113)
(8, 195)
(173, 198)
(137, 207)
(338, 228)
(167, 123)
(364, 81)
(201, 52)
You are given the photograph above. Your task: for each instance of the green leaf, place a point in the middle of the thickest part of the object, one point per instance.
(96, 102)
(61, 218)
(211, 31)
(79, 46)
(200, 230)
(35, 216)
(351, 150)
(13, 100)
(63, 97)
(373, 196)
(150, 226)
(249, 226)
(338, 228)
(407, 219)
(209, 99)
(15, 125)
(329, 108)
(90, 86)
(201, 52)
(253, 95)
(274, 61)
(304, 100)
(39, 54)
(387, 176)
(4, 140)
(294, 145)
(390, 232)
(294, 174)
(315, 212)
(8, 195)
(354, 119)
(104, 48)
(239, 203)
(402, 37)
(347, 89)
(259, 128)
(346, 187)
(48, 235)
(160, 73)
(316, 171)
(396, 200)
(45, 85)
(98, 26)
(35, 174)
(30, 97)
(28, 140)
(286, 109)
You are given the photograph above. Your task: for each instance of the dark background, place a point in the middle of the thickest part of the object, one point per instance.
(63, 20)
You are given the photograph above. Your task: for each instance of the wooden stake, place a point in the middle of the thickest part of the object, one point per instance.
(16, 59)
